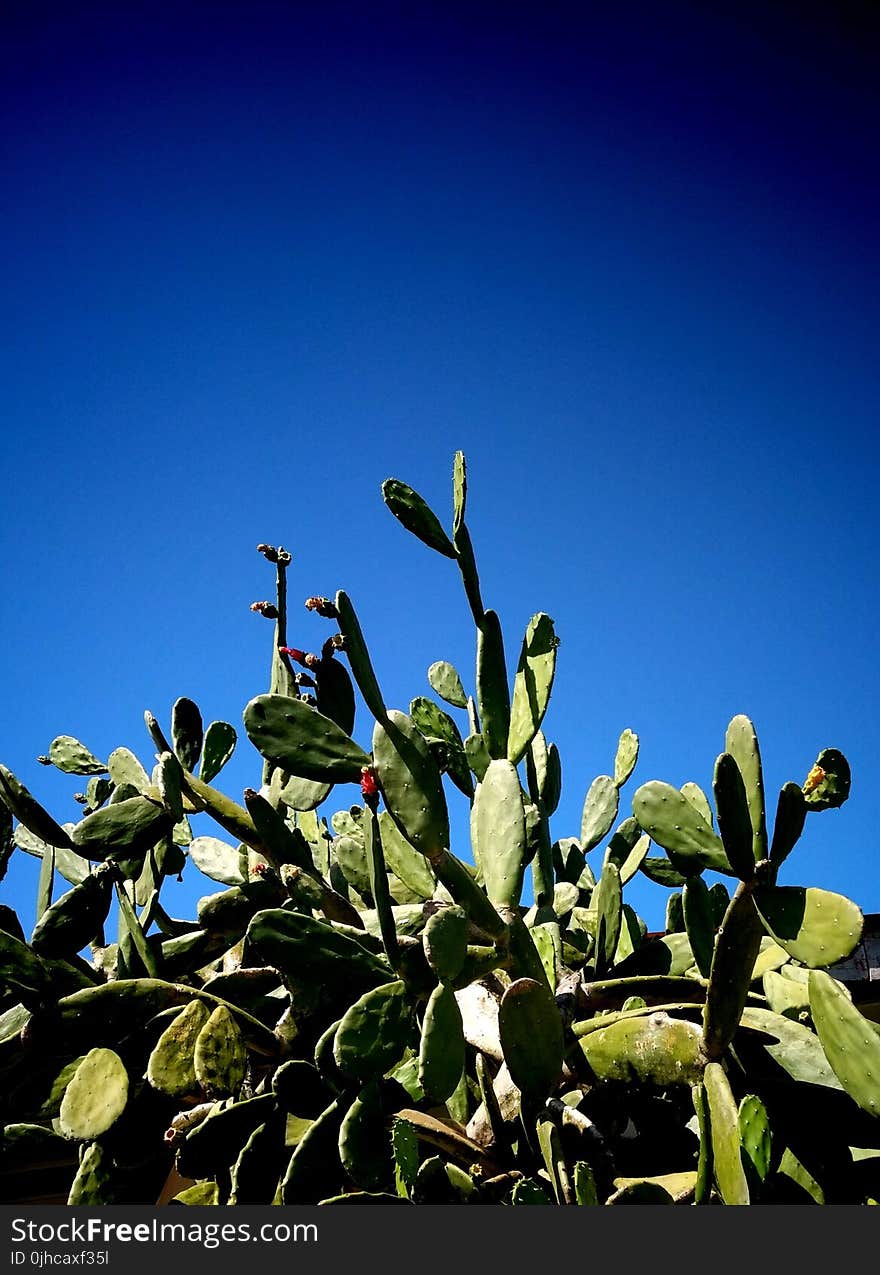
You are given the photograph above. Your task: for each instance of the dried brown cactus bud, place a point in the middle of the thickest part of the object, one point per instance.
(268, 609)
(269, 552)
(323, 606)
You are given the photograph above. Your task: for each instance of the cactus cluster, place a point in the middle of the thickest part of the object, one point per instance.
(360, 1015)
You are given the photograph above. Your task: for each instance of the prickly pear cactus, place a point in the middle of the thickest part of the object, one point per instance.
(365, 1013)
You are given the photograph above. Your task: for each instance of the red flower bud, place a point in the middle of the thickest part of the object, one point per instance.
(369, 786)
(294, 652)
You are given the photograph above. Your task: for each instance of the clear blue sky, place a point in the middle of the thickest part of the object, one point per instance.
(258, 258)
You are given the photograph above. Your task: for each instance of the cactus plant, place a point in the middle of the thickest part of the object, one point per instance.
(365, 1013)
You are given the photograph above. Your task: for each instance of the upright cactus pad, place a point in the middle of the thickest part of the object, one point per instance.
(850, 1041)
(531, 685)
(411, 783)
(96, 1096)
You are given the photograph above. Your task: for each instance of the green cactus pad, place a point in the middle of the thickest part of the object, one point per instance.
(300, 1089)
(724, 1123)
(459, 490)
(754, 1134)
(127, 771)
(791, 815)
(411, 783)
(640, 1192)
(171, 1065)
(202, 1194)
(442, 1048)
(95, 1097)
(68, 863)
(352, 860)
(544, 759)
(628, 848)
(531, 1036)
(741, 741)
(413, 513)
(467, 565)
(295, 944)
(220, 1056)
(531, 685)
(649, 1048)
(358, 656)
(299, 739)
(302, 795)
(22, 969)
(788, 1044)
(699, 920)
(698, 800)
(314, 1171)
(850, 1041)
(93, 1182)
(74, 919)
(828, 783)
(677, 1188)
(548, 943)
(218, 860)
(493, 694)
(405, 1149)
(404, 860)
(600, 811)
(28, 811)
(657, 868)
(815, 927)
(676, 825)
(374, 1032)
(607, 902)
(734, 817)
(169, 781)
(626, 756)
(674, 920)
(334, 693)
(256, 1172)
(584, 1184)
(445, 741)
(444, 939)
(187, 732)
(477, 755)
(69, 755)
(498, 833)
(736, 947)
(444, 679)
(281, 843)
(212, 1146)
(784, 995)
(218, 747)
(529, 1191)
(365, 1141)
(123, 830)
(553, 1155)
(433, 722)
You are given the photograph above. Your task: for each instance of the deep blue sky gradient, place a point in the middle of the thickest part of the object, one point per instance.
(258, 258)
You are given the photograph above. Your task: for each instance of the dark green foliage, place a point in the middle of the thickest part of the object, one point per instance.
(363, 1016)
